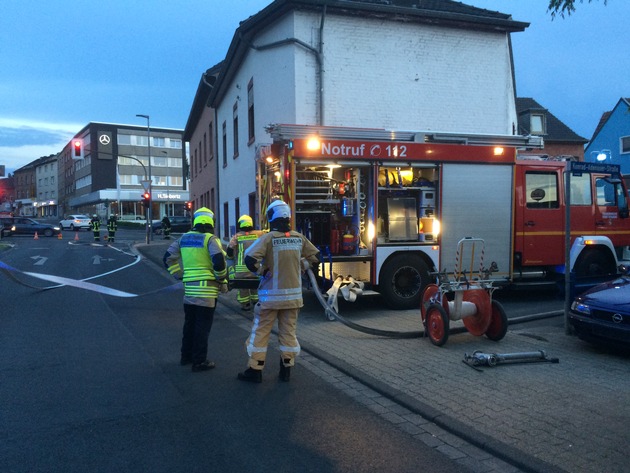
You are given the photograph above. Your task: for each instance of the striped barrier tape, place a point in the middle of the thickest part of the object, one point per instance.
(81, 284)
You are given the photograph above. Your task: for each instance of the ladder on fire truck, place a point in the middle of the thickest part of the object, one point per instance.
(284, 132)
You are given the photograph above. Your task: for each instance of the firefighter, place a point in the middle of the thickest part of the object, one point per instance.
(112, 226)
(277, 256)
(243, 239)
(166, 227)
(95, 223)
(198, 259)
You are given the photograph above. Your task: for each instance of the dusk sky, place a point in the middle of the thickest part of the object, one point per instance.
(66, 63)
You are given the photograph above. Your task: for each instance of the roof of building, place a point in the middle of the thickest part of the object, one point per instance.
(556, 130)
(435, 12)
(606, 115)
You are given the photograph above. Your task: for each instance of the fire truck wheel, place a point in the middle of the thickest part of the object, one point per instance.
(498, 322)
(402, 280)
(437, 324)
(595, 262)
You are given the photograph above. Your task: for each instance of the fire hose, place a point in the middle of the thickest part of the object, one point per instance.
(479, 358)
(331, 313)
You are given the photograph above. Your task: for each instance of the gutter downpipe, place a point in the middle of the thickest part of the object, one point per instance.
(318, 53)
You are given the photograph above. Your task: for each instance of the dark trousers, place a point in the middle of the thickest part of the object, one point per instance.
(197, 324)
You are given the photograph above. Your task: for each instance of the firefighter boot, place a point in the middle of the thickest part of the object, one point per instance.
(285, 370)
(251, 375)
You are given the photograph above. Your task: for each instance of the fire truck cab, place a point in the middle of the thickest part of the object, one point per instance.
(389, 208)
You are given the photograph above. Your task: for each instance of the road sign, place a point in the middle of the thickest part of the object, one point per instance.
(577, 167)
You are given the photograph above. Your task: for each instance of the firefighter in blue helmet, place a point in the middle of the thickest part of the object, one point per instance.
(198, 259)
(239, 243)
(278, 257)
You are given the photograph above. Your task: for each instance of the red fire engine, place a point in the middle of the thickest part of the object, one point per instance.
(389, 208)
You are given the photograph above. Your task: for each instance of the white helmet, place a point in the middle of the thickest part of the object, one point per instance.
(278, 209)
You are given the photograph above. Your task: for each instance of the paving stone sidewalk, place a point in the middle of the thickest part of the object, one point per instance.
(571, 416)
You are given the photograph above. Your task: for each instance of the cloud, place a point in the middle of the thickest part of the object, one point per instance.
(24, 141)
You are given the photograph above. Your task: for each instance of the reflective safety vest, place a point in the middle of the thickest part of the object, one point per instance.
(200, 278)
(243, 241)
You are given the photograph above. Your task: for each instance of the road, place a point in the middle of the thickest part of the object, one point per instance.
(91, 382)
(569, 416)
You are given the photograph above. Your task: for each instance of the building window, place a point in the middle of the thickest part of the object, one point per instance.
(226, 222)
(235, 128)
(224, 147)
(205, 149)
(537, 124)
(251, 136)
(625, 144)
(158, 142)
(211, 140)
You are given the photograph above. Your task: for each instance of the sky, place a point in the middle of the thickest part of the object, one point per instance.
(66, 63)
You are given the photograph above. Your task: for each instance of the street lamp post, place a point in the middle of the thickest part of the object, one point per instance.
(149, 212)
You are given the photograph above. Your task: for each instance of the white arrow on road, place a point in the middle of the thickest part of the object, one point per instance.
(96, 259)
(40, 260)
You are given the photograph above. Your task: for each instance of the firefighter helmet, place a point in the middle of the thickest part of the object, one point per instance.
(203, 216)
(278, 209)
(245, 221)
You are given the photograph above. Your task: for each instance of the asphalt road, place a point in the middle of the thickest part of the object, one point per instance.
(92, 382)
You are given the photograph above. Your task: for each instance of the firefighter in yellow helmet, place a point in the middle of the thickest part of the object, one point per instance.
(198, 259)
(277, 256)
(243, 239)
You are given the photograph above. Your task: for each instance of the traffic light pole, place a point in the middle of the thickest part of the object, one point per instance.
(149, 213)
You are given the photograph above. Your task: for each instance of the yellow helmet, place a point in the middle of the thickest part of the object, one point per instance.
(203, 216)
(245, 221)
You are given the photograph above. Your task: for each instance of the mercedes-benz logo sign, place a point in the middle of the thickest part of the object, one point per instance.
(617, 318)
(104, 139)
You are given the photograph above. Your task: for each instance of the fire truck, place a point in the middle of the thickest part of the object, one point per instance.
(389, 208)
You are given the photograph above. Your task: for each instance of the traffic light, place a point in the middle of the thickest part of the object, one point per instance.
(189, 205)
(146, 199)
(77, 148)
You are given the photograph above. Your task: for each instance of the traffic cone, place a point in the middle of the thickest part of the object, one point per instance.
(59, 237)
(35, 237)
(76, 236)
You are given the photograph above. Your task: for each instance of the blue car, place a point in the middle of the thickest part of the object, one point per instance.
(602, 314)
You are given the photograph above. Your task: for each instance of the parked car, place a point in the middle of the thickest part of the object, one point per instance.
(5, 225)
(602, 314)
(179, 224)
(75, 222)
(29, 226)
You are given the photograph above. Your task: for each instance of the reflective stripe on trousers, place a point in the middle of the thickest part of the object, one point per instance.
(258, 339)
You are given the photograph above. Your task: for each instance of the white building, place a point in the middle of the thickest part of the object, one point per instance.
(446, 67)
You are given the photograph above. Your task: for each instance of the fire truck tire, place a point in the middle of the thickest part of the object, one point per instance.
(498, 322)
(403, 278)
(437, 325)
(595, 262)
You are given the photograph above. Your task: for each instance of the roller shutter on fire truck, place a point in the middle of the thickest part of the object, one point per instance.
(477, 202)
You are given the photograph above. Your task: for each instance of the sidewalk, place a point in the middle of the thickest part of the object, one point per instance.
(570, 416)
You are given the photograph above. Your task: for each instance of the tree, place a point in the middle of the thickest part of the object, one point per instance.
(560, 7)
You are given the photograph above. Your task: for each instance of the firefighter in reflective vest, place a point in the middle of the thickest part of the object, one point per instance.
(243, 239)
(112, 226)
(198, 259)
(95, 223)
(277, 256)
(166, 227)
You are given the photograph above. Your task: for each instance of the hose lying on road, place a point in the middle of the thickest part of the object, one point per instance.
(330, 311)
(332, 314)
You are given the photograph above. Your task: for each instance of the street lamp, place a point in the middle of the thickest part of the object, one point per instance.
(149, 212)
